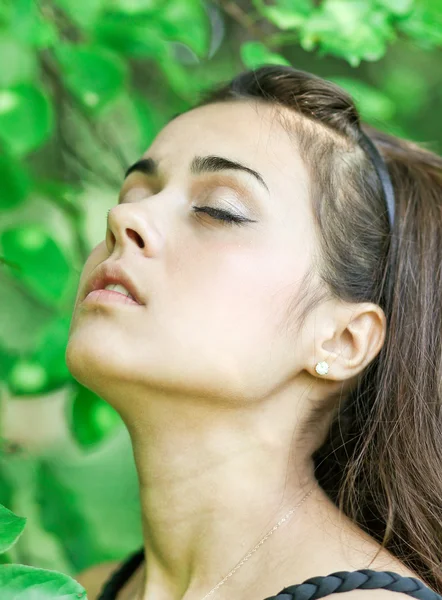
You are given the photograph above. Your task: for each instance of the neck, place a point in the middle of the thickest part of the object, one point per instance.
(212, 484)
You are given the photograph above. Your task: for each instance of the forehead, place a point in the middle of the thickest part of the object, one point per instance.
(246, 131)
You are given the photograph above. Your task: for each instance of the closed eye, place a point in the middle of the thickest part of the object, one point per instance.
(222, 215)
(228, 218)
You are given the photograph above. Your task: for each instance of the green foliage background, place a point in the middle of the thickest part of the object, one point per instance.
(85, 85)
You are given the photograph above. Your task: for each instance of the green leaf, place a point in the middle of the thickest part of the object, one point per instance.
(44, 369)
(255, 54)
(21, 581)
(21, 63)
(355, 31)
(136, 7)
(43, 266)
(5, 559)
(15, 183)
(286, 14)
(6, 362)
(22, 316)
(397, 7)
(26, 118)
(424, 24)
(11, 528)
(7, 489)
(92, 419)
(185, 21)
(148, 35)
(29, 26)
(26, 377)
(134, 39)
(82, 12)
(94, 75)
(51, 352)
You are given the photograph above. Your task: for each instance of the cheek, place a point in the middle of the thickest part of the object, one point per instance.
(255, 286)
(236, 289)
(230, 318)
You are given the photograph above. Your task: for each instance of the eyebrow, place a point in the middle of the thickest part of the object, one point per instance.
(199, 164)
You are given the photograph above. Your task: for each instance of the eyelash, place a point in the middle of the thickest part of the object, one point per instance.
(221, 215)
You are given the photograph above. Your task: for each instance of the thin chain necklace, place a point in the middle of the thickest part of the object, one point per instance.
(258, 544)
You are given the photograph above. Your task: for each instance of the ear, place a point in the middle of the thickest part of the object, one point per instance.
(352, 337)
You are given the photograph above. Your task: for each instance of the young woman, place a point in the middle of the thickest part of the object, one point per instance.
(278, 360)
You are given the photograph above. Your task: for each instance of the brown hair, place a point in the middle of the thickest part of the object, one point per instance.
(381, 463)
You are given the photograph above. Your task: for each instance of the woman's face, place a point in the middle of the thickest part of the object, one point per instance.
(216, 294)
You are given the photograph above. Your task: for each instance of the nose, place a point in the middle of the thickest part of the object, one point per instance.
(125, 228)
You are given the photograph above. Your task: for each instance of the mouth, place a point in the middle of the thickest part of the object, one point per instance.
(103, 296)
(111, 283)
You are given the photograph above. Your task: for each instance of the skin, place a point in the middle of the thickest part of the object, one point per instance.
(209, 376)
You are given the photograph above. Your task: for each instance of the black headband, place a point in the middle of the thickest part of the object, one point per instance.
(382, 171)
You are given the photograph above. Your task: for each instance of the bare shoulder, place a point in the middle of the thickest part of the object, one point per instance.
(93, 578)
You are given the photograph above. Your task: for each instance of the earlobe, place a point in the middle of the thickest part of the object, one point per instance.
(322, 368)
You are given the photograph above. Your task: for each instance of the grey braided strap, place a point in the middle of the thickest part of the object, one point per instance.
(363, 579)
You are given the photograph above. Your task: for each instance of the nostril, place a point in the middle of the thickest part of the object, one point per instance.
(136, 237)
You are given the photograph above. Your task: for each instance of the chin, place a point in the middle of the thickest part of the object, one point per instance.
(92, 360)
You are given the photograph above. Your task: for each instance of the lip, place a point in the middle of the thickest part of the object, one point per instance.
(108, 297)
(108, 273)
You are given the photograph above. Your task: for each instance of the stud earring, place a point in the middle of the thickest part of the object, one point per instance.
(322, 368)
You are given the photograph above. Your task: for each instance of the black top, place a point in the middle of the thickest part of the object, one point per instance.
(310, 589)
